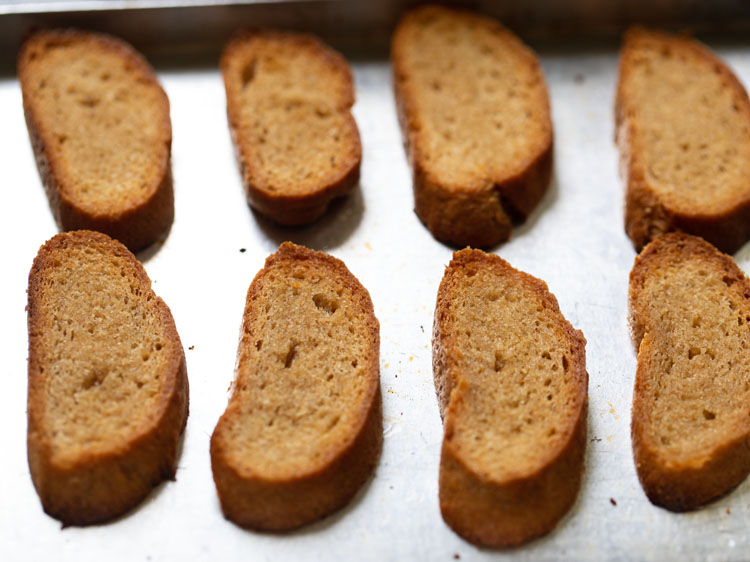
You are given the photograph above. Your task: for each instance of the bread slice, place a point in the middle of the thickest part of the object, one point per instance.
(289, 100)
(510, 375)
(683, 129)
(690, 316)
(108, 389)
(100, 129)
(303, 428)
(474, 111)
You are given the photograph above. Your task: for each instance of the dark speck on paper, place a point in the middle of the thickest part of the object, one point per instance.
(612, 501)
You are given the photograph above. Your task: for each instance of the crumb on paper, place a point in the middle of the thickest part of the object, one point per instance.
(192, 347)
(243, 250)
(411, 358)
(456, 556)
(368, 246)
(729, 511)
(612, 501)
(595, 439)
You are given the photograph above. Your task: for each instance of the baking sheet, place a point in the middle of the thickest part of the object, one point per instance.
(574, 241)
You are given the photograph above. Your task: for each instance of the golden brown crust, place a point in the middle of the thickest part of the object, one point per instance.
(483, 509)
(477, 216)
(680, 484)
(96, 487)
(137, 225)
(279, 503)
(646, 215)
(289, 207)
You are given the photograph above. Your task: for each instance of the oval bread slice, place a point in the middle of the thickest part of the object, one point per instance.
(475, 116)
(683, 129)
(100, 129)
(690, 316)
(108, 390)
(303, 428)
(510, 374)
(289, 100)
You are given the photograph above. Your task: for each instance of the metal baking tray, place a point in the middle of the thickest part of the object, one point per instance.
(574, 241)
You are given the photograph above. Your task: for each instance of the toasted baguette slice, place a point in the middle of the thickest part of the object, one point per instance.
(289, 100)
(303, 428)
(510, 375)
(683, 129)
(100, 129)
(475, 116)
(108, 389)
(690, 316)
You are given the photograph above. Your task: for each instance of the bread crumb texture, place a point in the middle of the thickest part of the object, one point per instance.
(289, 100)
(512, 385)
(684, 135)
(101, 116)
(303, 378)
(107, 379)
(479, 97)
(474, 110)
(690, 314)
(307, 387)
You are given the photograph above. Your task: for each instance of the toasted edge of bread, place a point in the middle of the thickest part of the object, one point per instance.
(680, 486)
(482, 509)
(282, 504)
(289, 209)
(473, 218)
(646, 215)
(98, 487)
(136, 226)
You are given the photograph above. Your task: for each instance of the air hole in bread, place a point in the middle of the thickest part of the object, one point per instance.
(334, 423)
(94, 378)
(498, 361)
(258, 344)
(546, 355)
(565, 363)
(89, 102)
(709, 415)
(248, 73)
(355, 363)
(325, 303)
(693, 351)
(291, 354)
(728, 281)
